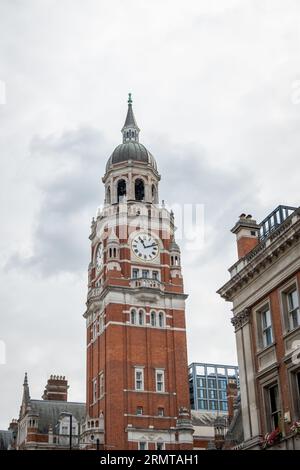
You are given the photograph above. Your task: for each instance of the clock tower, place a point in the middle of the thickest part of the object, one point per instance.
(137, 375)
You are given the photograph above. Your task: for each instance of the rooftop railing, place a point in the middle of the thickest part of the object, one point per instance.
(274, 220)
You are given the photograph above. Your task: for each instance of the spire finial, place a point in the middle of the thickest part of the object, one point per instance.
(130, 129)
(25, 379)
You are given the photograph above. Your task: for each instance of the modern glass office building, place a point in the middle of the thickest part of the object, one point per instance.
(208, 384)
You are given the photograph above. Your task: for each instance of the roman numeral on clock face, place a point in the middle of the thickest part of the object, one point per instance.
(145, 247)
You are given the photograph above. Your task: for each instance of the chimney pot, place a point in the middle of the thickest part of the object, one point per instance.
(247, 234)
(56, 388)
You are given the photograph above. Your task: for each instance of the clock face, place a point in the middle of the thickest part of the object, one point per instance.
(99, 257)
(145, 246)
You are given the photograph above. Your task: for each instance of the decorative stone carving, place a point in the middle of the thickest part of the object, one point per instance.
(241, 319)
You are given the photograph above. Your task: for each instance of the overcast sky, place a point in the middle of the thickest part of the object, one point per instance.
(215, 87)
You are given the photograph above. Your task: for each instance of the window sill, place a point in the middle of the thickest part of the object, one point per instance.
(289, 333)
(265, 348)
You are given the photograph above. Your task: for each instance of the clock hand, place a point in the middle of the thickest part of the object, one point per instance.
(142, 242)
(150, 246)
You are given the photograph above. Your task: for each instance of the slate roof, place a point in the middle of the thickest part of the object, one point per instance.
(49, 411)
(6, 439)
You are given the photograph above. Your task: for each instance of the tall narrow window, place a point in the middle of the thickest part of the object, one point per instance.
(121, 190)
(94, 390)
(153, 192)
(160, 380)
(141, 317)
(108, 197)
(274, 406)
(145, 273)
(133, 317)
(161, 322)
(135, 273)
(293, 309)
(101, 323)
(95, 330)
(139, 190)
(139, 410)
(153, 318)
(101, 385)
(266, 326)
(160, 445)
(139, 379)
(142, 445)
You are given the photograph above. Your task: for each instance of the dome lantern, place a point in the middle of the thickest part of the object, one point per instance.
(131, 149)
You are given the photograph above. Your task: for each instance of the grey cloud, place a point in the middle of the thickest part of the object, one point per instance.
(70, 193)
(215, 73)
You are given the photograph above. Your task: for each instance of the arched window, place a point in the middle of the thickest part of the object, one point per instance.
(121, 190)
(153, 318)
(110, 252)
(133, 317)
(153, 191)
(161, 320)
(141, 317)
(115, 252)
(139, 190)
(108, 198)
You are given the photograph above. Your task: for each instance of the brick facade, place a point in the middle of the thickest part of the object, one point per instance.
(124, 286)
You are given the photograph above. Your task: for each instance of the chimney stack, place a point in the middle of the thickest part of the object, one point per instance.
(56, 388)
(247, 234)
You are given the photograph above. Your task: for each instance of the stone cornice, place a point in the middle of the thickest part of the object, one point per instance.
(262, 256)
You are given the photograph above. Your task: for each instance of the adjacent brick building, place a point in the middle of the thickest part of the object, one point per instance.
(47, 423)
(264, 290)
(137, 378)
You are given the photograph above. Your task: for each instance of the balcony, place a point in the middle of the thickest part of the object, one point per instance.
(94, 292)
(147, 283)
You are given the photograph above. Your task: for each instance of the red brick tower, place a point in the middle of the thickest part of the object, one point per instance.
(137, 379)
